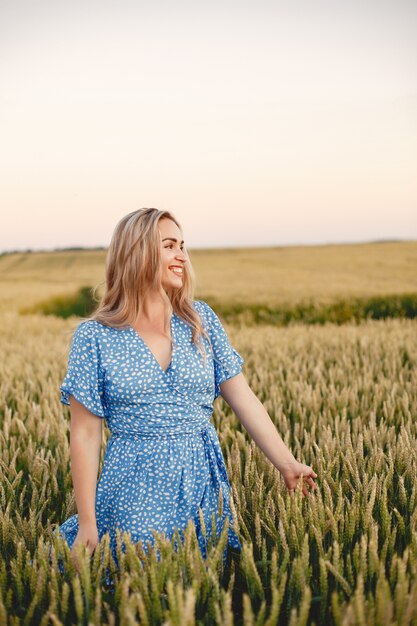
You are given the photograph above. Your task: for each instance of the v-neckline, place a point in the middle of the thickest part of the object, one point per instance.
(171, 324)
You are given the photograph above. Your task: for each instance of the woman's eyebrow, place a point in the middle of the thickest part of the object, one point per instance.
(172, 239)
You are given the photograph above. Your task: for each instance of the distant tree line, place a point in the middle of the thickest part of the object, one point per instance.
(69, 249)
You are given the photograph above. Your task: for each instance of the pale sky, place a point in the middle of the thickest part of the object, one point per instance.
(255, 123)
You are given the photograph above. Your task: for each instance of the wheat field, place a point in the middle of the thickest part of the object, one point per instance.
(344, 399)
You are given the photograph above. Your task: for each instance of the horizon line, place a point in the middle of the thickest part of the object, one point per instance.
(241, 247)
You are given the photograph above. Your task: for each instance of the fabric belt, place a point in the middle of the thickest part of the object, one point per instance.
(163, 434)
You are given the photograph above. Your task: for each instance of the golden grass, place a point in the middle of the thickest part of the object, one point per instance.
(343, 398)
(269, 276)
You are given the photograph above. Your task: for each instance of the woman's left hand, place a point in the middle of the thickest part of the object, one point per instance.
(293, 471)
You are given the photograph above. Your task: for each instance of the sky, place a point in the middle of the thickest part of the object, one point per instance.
(255, 123)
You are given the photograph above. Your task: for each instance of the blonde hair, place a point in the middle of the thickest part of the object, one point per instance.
(133, 268)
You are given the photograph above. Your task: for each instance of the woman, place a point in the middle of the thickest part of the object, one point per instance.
(151, 361)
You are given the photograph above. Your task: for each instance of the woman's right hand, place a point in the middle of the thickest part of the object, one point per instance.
(292, 472)
(88, 536)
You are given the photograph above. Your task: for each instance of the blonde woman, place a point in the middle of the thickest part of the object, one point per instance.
(151, 361)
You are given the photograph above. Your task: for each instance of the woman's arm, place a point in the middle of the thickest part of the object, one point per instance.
(252, 414)
(85, 444)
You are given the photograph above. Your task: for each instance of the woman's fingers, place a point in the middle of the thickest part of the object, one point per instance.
(300, 471)
(78, 546)
(311, 482)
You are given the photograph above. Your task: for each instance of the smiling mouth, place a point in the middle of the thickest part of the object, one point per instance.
(176, 270)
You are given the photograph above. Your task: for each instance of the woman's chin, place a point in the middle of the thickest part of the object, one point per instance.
(173, 284)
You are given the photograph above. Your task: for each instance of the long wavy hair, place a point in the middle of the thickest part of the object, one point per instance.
(133, 269)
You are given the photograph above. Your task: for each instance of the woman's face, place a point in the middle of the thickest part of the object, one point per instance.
(173, 254)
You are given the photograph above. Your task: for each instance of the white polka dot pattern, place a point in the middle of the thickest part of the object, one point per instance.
(163, 459)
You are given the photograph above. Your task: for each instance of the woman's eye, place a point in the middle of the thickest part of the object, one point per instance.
(170, 245)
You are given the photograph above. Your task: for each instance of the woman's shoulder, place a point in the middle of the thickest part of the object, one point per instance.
(92, 328)
(198, 304)
(201, 306)
(205, 310)
(89, 326)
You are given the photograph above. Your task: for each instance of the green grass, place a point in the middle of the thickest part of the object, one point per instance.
(339, 312)
(81, 303)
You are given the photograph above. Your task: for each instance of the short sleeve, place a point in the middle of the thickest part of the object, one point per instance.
(227, 361)
(84, 379)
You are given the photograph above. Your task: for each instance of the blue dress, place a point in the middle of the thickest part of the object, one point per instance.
(163, 459)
